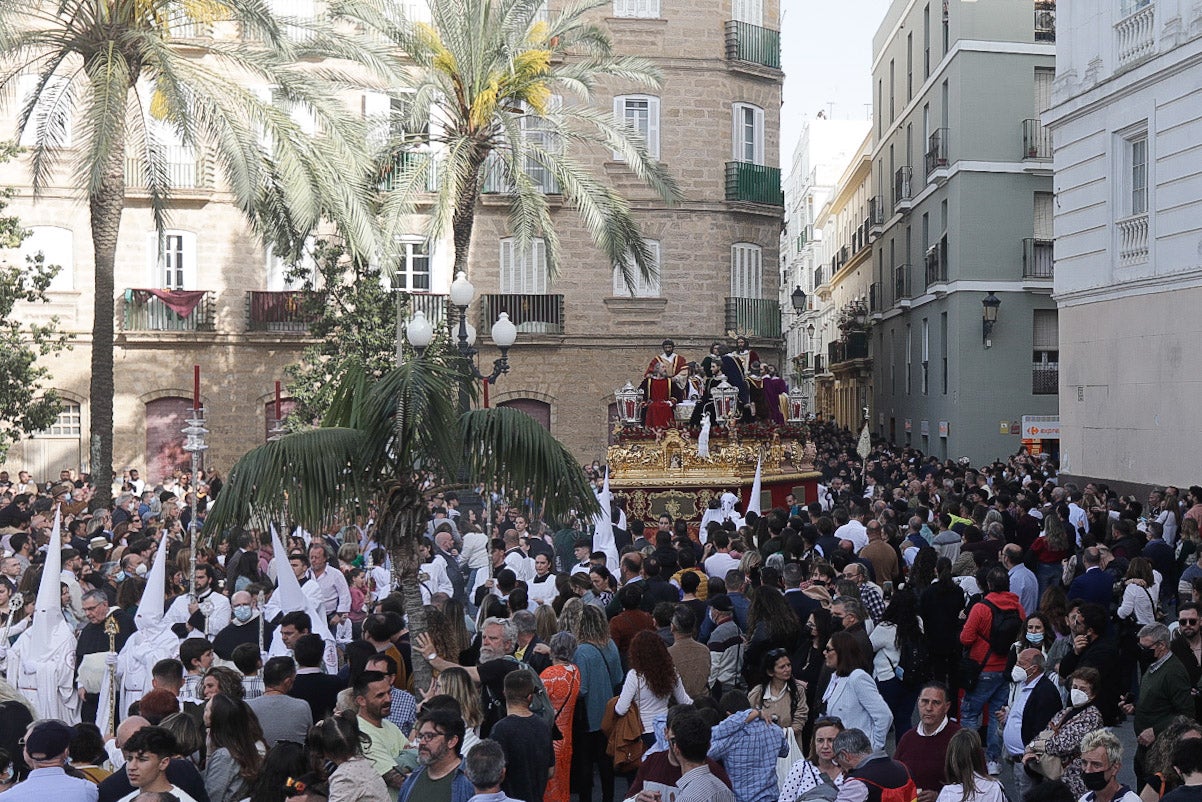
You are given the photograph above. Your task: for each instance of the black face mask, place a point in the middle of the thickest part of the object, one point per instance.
(1147, 655)
(836, 625)
(1094, 780)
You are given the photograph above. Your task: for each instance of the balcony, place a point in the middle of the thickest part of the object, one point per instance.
(183, 169)
(936, 262)
(819, 364)
(1037, 142)
(903, 194)
(753, 183)
(435, 306)
(901, 285)
(397, 172)
(1135, 34)
(149, 310)
(1045, 20)
(876, 300)
(753, 317)
(937, 160)
(1037, 258)
(1133, 239)
(853, 346)
(752, 44)
(802, 362)
(286, 311)
(876, 217)
(1045, 378)
(532, 314)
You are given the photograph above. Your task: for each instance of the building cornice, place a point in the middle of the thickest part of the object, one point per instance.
(1149, 285)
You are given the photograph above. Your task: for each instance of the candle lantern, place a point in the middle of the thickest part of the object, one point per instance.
(630, 404)
(724, 396)
(798, 403)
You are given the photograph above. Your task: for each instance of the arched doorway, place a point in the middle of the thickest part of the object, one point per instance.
(165, 422)
(539, 410)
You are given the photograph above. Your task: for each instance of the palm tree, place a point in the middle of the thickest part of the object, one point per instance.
(384, 442)
(112, 76)
(498, 96)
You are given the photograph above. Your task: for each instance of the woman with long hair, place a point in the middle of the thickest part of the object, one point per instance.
(457, 683)
(569, 616)
(1035, 633)
(562, 681)
(781, 698)
(234, 741)
(922, 573)
(189, 737)
(852, 695)
(1050, 548)
(337, 739)
(964, 765)
(820, 768)
(651, 682)
(220, 679)
(899, 627)
(940, 606)
(284, 761)
(771, 624)
(600, 672)
(1160, 774)
(809, 661)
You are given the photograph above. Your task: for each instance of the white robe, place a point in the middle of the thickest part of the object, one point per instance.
(136, 661)
(51, 686)
(436, 580)
(217, 620)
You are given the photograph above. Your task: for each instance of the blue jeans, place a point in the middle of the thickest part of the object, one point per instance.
(991, 690)
(901, 701)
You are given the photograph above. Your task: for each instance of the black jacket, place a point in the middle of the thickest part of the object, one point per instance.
(1103, 655)
(1042, 704)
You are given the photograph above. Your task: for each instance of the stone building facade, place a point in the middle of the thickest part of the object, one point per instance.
(715, 124)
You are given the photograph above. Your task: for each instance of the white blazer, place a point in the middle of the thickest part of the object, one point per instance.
(857, 702)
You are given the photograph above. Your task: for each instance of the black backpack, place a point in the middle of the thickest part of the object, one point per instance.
(1004, 629)
(913, 662)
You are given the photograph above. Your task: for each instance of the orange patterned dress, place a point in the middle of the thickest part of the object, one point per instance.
(563, 689)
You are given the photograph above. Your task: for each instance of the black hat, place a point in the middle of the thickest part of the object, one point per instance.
(722, 603)
(48, 739)
(165, 496)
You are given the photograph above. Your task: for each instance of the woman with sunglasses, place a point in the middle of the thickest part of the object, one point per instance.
(778, 696)
(852, 694)
(818, 777)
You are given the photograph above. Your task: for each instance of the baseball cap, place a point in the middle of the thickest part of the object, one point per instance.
(48, 739)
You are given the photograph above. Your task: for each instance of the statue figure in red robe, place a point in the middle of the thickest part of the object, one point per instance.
(745, 354)
(776, 395)
(657, 389)
(675, 369)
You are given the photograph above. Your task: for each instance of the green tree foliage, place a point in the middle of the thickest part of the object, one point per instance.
(26, 406)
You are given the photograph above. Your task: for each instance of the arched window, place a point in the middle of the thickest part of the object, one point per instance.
(539, 410)
(165, 421)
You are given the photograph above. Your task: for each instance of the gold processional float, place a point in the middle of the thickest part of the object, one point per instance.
(674, 469)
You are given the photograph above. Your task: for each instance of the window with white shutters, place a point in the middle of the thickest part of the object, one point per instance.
(283, 275)
(1043, 215)
(636, 8)
(523, 270)
(746, 267)
(643, 287)
(57, 247)
(413, 265)
(172, 256)
(1045, 345)
(1043, 89)
(1137, 175)
(748, 11)
(640, 112)
(748, 133)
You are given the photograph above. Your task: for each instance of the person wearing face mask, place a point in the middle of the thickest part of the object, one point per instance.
(1034, 701)
(1036, 633)
(1063, 735)
(204, 616)
(243, 628)
(1101, 759)
(1163, 693)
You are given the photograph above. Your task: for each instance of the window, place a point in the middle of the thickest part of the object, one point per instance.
(636, 8)
(892, 91)
(947, 33)
(538, 132)
(1043, 216)
(745, 270)
(943, 347)
(1137, 174)
(69, 422)
(880, 104)
(748, 133)
(893, 361)
(172, 257)
(643, 287)
(748, 11)
(412, 265)
(640, 112)
(49, 115)
(282, 275)
(523, 270)
(909, 66)
(926, 42)
(1043, 89)
(926, 356)
(1045, 343)
(57, 247)
(909, 356)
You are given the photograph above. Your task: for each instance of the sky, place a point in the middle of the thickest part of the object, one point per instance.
(826, 53)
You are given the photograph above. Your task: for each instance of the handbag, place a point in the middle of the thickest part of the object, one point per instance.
(1050, 766)
(783, 764)
(968, 672)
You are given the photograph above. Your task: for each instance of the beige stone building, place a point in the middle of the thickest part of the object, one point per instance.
(715, 125)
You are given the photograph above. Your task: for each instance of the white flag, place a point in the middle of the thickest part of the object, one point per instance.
(753, 504)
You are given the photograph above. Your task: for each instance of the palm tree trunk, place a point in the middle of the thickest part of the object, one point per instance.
(400, 526)
(105, 205)
(463, 218)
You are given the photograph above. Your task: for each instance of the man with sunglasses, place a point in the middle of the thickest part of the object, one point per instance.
(1187, 645)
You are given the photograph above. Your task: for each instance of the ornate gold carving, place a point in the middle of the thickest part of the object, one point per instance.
(672, 457)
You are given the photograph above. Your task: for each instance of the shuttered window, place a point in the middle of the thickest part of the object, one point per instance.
(523, 270)
(643, 287)
(746, 268)
(640, 112)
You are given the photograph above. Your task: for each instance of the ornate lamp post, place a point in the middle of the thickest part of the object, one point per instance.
(989, 307)
(630, 404)
(195, 445)
(798, 402)
(503, 334)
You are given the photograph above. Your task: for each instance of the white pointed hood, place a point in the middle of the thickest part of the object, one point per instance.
(288, 596)
(753, 503)
(603, 527)
(49, 606)
(150, 609)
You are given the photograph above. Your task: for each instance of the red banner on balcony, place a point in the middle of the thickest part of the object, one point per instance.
(181, 302)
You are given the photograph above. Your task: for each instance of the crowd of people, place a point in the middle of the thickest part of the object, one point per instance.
(921, 631)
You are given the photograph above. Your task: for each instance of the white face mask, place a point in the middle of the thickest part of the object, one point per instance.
(1017, 674)
(1078, 697)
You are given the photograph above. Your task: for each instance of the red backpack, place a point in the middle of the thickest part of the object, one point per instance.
(904, 793)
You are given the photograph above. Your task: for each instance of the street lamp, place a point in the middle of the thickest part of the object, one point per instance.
(503, 332)
(419, 331)
(798, 299)
(989, 309)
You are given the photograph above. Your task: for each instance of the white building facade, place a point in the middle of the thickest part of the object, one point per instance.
(1126, 122)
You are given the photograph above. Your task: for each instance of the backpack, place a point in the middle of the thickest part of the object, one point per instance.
(494, 708)
(913, 662)
(905, 793)
(1003, 629)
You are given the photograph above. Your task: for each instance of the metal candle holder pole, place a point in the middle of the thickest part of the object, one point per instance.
(277, 430)
(194, 445)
